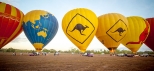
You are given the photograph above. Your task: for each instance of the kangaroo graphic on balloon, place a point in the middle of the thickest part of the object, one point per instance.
(119, 30)
(142, 37)
(79, 27)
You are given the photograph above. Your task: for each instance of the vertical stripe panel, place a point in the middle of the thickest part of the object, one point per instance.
(2, 9)
(49, 28)
(13, 11)
(10, 25)
(8, 9)
(3, 27)
(1, 20)
(18, 13)
(38, 39)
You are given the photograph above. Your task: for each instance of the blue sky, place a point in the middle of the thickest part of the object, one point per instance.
(59, 8)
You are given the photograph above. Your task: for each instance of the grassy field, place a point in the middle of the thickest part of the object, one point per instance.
(74, 62)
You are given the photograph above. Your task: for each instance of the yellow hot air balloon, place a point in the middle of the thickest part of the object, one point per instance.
(137, 33)
(112, 28)
(80, 26)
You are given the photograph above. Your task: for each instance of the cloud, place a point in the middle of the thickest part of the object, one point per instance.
(20, 38)
(11, 2)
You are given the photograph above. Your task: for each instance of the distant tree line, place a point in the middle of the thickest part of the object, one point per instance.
(74, 50)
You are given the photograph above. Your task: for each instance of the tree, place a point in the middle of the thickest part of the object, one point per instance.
(10, 50)
(60, 51)
(45, 50)
(52, 50)
(3, 50)
(77, 51)
(73, 50)
(106, 51)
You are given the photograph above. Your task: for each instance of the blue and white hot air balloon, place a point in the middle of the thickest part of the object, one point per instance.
(40, 27)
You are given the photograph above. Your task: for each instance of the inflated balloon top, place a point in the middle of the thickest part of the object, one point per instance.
(10, 23)
(80, 26)
(137, 33)
(40, 27)
(112, 28)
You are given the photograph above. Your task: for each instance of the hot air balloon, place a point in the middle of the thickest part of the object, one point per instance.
(40, 27)
(150, 39)
(10, 23)
(137, 33)
(80, 26)
(112, 28)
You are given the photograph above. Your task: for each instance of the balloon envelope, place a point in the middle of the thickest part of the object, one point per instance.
(80, 26)
(150, 39)
(40, 27)
(137, 33)
(112, 28)
(10, 23)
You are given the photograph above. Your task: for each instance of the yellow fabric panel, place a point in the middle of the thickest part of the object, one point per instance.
(13, 11)
(2, 9)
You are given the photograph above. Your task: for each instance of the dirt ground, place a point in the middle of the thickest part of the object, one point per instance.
(74, 62)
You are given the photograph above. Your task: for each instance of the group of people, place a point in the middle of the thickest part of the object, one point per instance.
(14, 54)
(44, 53)
(56, 53)
(36, 53)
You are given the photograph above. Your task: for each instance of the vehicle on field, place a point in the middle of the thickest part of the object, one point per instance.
(121, 54)
(34, 53)
(144, 55)
(88, 54)
(129, 55)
